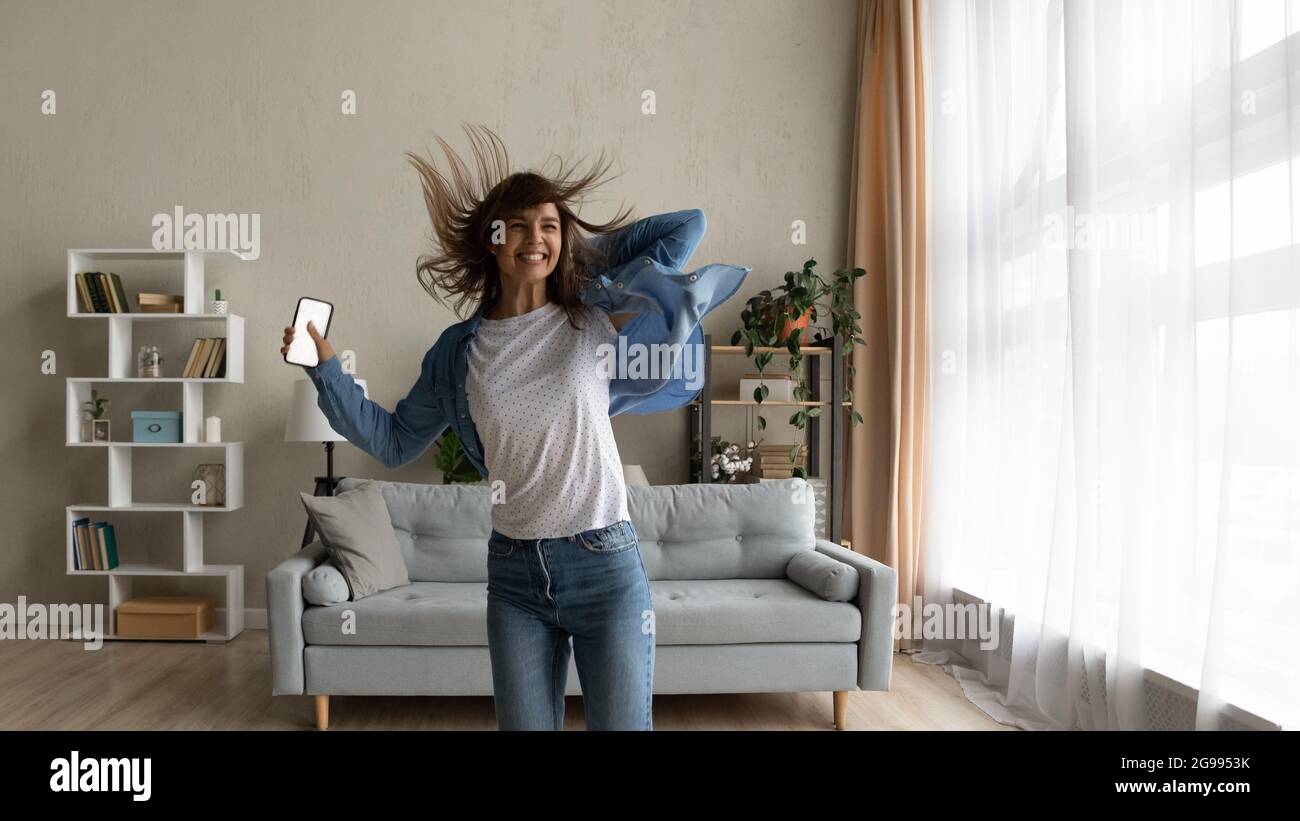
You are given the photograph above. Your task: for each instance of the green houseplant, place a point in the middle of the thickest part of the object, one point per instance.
(778, 319)
(92, 411)
(451, 460)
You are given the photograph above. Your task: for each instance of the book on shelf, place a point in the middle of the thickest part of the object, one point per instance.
(206, 368)
(79, 528)
(92, 295)
(205, 350)
(774, 460)
(106, 283)
(218, 360)
(780, 454)
(121, 293)
(97, 291)
(85, 302)
(194, 353)
(97, 537)
(207, 358)
(95, 543)
(100, 293)
(160, 303)
(109, 558)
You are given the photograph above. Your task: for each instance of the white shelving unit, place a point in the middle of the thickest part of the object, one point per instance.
(229, 621)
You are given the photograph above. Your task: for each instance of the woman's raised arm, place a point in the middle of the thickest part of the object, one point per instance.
(394, 438)
(668, 239)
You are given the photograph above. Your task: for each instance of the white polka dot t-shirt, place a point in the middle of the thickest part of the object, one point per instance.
(539, 397)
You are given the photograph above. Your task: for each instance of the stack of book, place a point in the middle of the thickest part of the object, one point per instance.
(100, 293)
(96, 544)
(207, 358)
(161, 303)
(776, 463)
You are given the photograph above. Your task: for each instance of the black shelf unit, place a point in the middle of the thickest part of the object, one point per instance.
(700, 428)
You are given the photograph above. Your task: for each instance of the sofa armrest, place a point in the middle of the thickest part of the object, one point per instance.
(877, 594)
(284, 609)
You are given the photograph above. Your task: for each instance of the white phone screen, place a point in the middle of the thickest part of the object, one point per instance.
(302, 351)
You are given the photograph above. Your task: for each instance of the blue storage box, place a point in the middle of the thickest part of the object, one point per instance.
(156, 426)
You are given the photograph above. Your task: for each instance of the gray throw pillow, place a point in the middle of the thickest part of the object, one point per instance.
(818, 573)
(356, 529)
(325, 585)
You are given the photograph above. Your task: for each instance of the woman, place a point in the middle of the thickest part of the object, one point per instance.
(528, 385)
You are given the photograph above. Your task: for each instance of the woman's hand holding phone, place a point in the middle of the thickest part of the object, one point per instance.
(324, 350)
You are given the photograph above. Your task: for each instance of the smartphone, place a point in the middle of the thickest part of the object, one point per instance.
(302, 351)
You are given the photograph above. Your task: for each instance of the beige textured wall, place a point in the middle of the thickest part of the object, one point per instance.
(235, 107)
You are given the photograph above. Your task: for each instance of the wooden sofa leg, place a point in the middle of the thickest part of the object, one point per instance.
(322, 712)
(840, 699)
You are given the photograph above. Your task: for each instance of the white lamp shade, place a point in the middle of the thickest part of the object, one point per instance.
(305, 422)
(634, 475)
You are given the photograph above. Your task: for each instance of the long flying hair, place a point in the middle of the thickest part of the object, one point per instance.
(462, 211)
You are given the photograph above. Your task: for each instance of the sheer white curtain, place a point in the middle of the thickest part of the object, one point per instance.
(1114, 202)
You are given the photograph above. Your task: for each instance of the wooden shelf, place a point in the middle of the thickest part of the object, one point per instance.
(769, 402)
(804, 350)
(827, 467)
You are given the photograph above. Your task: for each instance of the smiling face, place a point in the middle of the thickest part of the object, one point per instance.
(532, 245)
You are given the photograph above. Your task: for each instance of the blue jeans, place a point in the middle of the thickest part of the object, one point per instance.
(591, 586)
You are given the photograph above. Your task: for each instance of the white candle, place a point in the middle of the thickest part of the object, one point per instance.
(213, 429)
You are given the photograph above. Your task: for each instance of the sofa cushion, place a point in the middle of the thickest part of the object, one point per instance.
(711, 611)
(442, 530)
(742, 611)
(324, 584)
(694, 531)
(708, 531)
(818, 573)
(356, 529)
(422, 613)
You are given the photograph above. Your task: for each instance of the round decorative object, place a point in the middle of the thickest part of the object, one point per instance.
(218, 306)
(214, 477)
(100, 430)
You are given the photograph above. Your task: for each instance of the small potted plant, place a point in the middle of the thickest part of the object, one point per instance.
(451, 460)
(93, 412)
(218, 305)
(781, 319)
(730, 463)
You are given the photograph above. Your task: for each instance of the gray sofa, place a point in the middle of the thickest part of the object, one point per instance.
(745, 600)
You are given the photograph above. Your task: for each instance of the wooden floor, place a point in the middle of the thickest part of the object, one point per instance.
(58, 685)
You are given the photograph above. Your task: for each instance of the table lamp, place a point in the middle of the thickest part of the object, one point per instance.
(306, 423)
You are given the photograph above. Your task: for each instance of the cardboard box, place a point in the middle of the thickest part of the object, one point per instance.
(165, 617)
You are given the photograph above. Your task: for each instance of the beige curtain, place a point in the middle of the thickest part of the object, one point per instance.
(886, 458)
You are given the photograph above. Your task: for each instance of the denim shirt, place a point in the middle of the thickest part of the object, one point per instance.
(641, 275)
